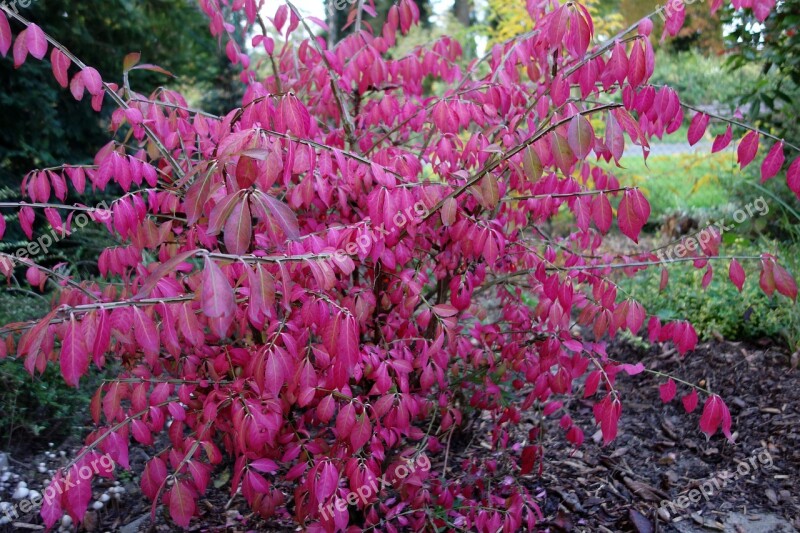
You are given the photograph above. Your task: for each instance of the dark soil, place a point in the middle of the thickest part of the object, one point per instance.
(660, 454)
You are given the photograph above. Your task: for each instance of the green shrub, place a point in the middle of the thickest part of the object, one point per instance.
(720, 309)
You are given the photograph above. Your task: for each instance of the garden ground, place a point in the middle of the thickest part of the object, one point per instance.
(660, 454)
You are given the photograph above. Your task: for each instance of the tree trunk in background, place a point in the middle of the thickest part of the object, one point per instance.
(462, 9)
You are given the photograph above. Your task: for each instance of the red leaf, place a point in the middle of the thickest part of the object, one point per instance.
(667, 391)
(580, 136)
(633, 212)
(264, 465)
(78, 493)
(20, 48)
(793, 177)
(217, 297)
(239, 228)
(607, 413)
(527, 460)
(615, 141)
(281, 213)
(766, 279)
(181, 503)
(747, 149)
(690, 401)
(592, 382)
(722, 140)
(5, 35)
(637, 71)
(327, 482)
(601, 213)
(715, 413)
(37, 42)
(361, 432)
(784, 282)
(664, 279)
(532, 164)
(697, 128)
(51, 506)
(736, 273)
(154, 475)
(92, 81)
(146, 333)
(562, 154)
(294, 115)
(773, 162)
(74, 357)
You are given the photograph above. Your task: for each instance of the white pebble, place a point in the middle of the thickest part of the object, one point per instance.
(66, 520)
(97, 506)
(5, 506)
(20, 493)
(34, 495)
(104, 498)
(4, 520)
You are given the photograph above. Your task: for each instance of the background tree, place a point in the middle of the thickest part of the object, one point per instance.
(41, 125)
(774, 46)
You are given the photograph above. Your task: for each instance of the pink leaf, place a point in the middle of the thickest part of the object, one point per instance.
(736, 273)
(562, 154)
(51, 504)
(697, 128)
(217, 298)
(722, 140)
(78, 493)
(74, 358)
(92, 80)
(784, 282)
(793, 177)
(667, 391)
(361, 432)
(37, 42)
(281, 213)
(294, 115)
(580, 136)
(5, 35)
(327, 482)
(146, 333)
(690, 401)
(747, 149)
(772, 162)
(153, 477)
(715, 413)
(633, 212)
(601, 213)
(181, 503)
(20, 48)
(239, 228)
